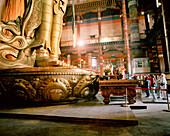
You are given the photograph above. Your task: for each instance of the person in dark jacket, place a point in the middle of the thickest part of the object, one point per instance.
(117, 73)
(147, 85)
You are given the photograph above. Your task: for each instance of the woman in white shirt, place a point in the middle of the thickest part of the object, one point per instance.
(163, 85)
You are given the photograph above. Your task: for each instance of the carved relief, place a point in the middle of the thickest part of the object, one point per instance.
(23, 89)
(17, 48)
(62, 84)
(55, 89)
(84, 87)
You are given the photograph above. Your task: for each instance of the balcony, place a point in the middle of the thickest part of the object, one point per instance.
(92, 47)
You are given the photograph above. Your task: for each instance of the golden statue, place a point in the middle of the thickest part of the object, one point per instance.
(34, 39)
(19, 48)
(51, 27)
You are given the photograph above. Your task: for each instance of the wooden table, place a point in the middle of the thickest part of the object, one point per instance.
(118, 88)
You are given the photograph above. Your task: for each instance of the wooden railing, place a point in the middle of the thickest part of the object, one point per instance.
(70, 43)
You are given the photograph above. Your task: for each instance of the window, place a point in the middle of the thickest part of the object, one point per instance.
(139, 64)
(94, 62)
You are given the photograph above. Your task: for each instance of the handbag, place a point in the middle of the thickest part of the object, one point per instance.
(161, 84)
(154, 85)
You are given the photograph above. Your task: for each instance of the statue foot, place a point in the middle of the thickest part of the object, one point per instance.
(50, 62)
(47, 62)
(44, 59)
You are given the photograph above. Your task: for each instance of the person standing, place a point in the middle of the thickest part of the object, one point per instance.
(117, 73)
(163, 85)
(159, 93)
(147, 85)
(158, 87)
(153, 86)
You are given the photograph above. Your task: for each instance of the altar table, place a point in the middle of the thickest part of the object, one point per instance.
(118, 88)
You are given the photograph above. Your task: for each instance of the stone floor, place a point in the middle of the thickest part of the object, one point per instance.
(153, 121)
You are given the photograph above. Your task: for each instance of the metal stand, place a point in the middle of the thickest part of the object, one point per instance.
(167, 102)
(125, 99)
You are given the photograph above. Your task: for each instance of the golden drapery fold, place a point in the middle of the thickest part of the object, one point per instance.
(13, 9)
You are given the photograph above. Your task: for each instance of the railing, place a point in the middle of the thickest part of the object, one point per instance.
(69, 44)
(93, 40)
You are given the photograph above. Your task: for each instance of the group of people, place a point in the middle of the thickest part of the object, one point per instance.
(155, 82)
(118, 75)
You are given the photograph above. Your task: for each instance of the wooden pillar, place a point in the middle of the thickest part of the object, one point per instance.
(99, 25)
(68, 60)
(166, 36)
(89, 61)
(122, 26)
(146, 23)
(99, 40)
(101, 62)
(160, 56)
(78, 40)
(78, 28)
(123, 63)
(79, 59)
(126, 39)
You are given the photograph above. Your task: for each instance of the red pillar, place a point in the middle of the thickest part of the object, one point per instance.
(99, 25)
(126, 39)
(68, 60)
(78, 40)
(78, 28)
(89, 61)
(79, 59)
(101, 62)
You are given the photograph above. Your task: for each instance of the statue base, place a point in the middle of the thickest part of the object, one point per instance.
(47, 84)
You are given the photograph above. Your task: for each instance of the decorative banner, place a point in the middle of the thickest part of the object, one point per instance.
(119, 62)
(134, 21)
(159, 47)
(113, 61)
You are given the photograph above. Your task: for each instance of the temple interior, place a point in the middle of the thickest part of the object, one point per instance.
(84, 67)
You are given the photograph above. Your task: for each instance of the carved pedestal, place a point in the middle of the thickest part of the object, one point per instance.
(47, 84)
